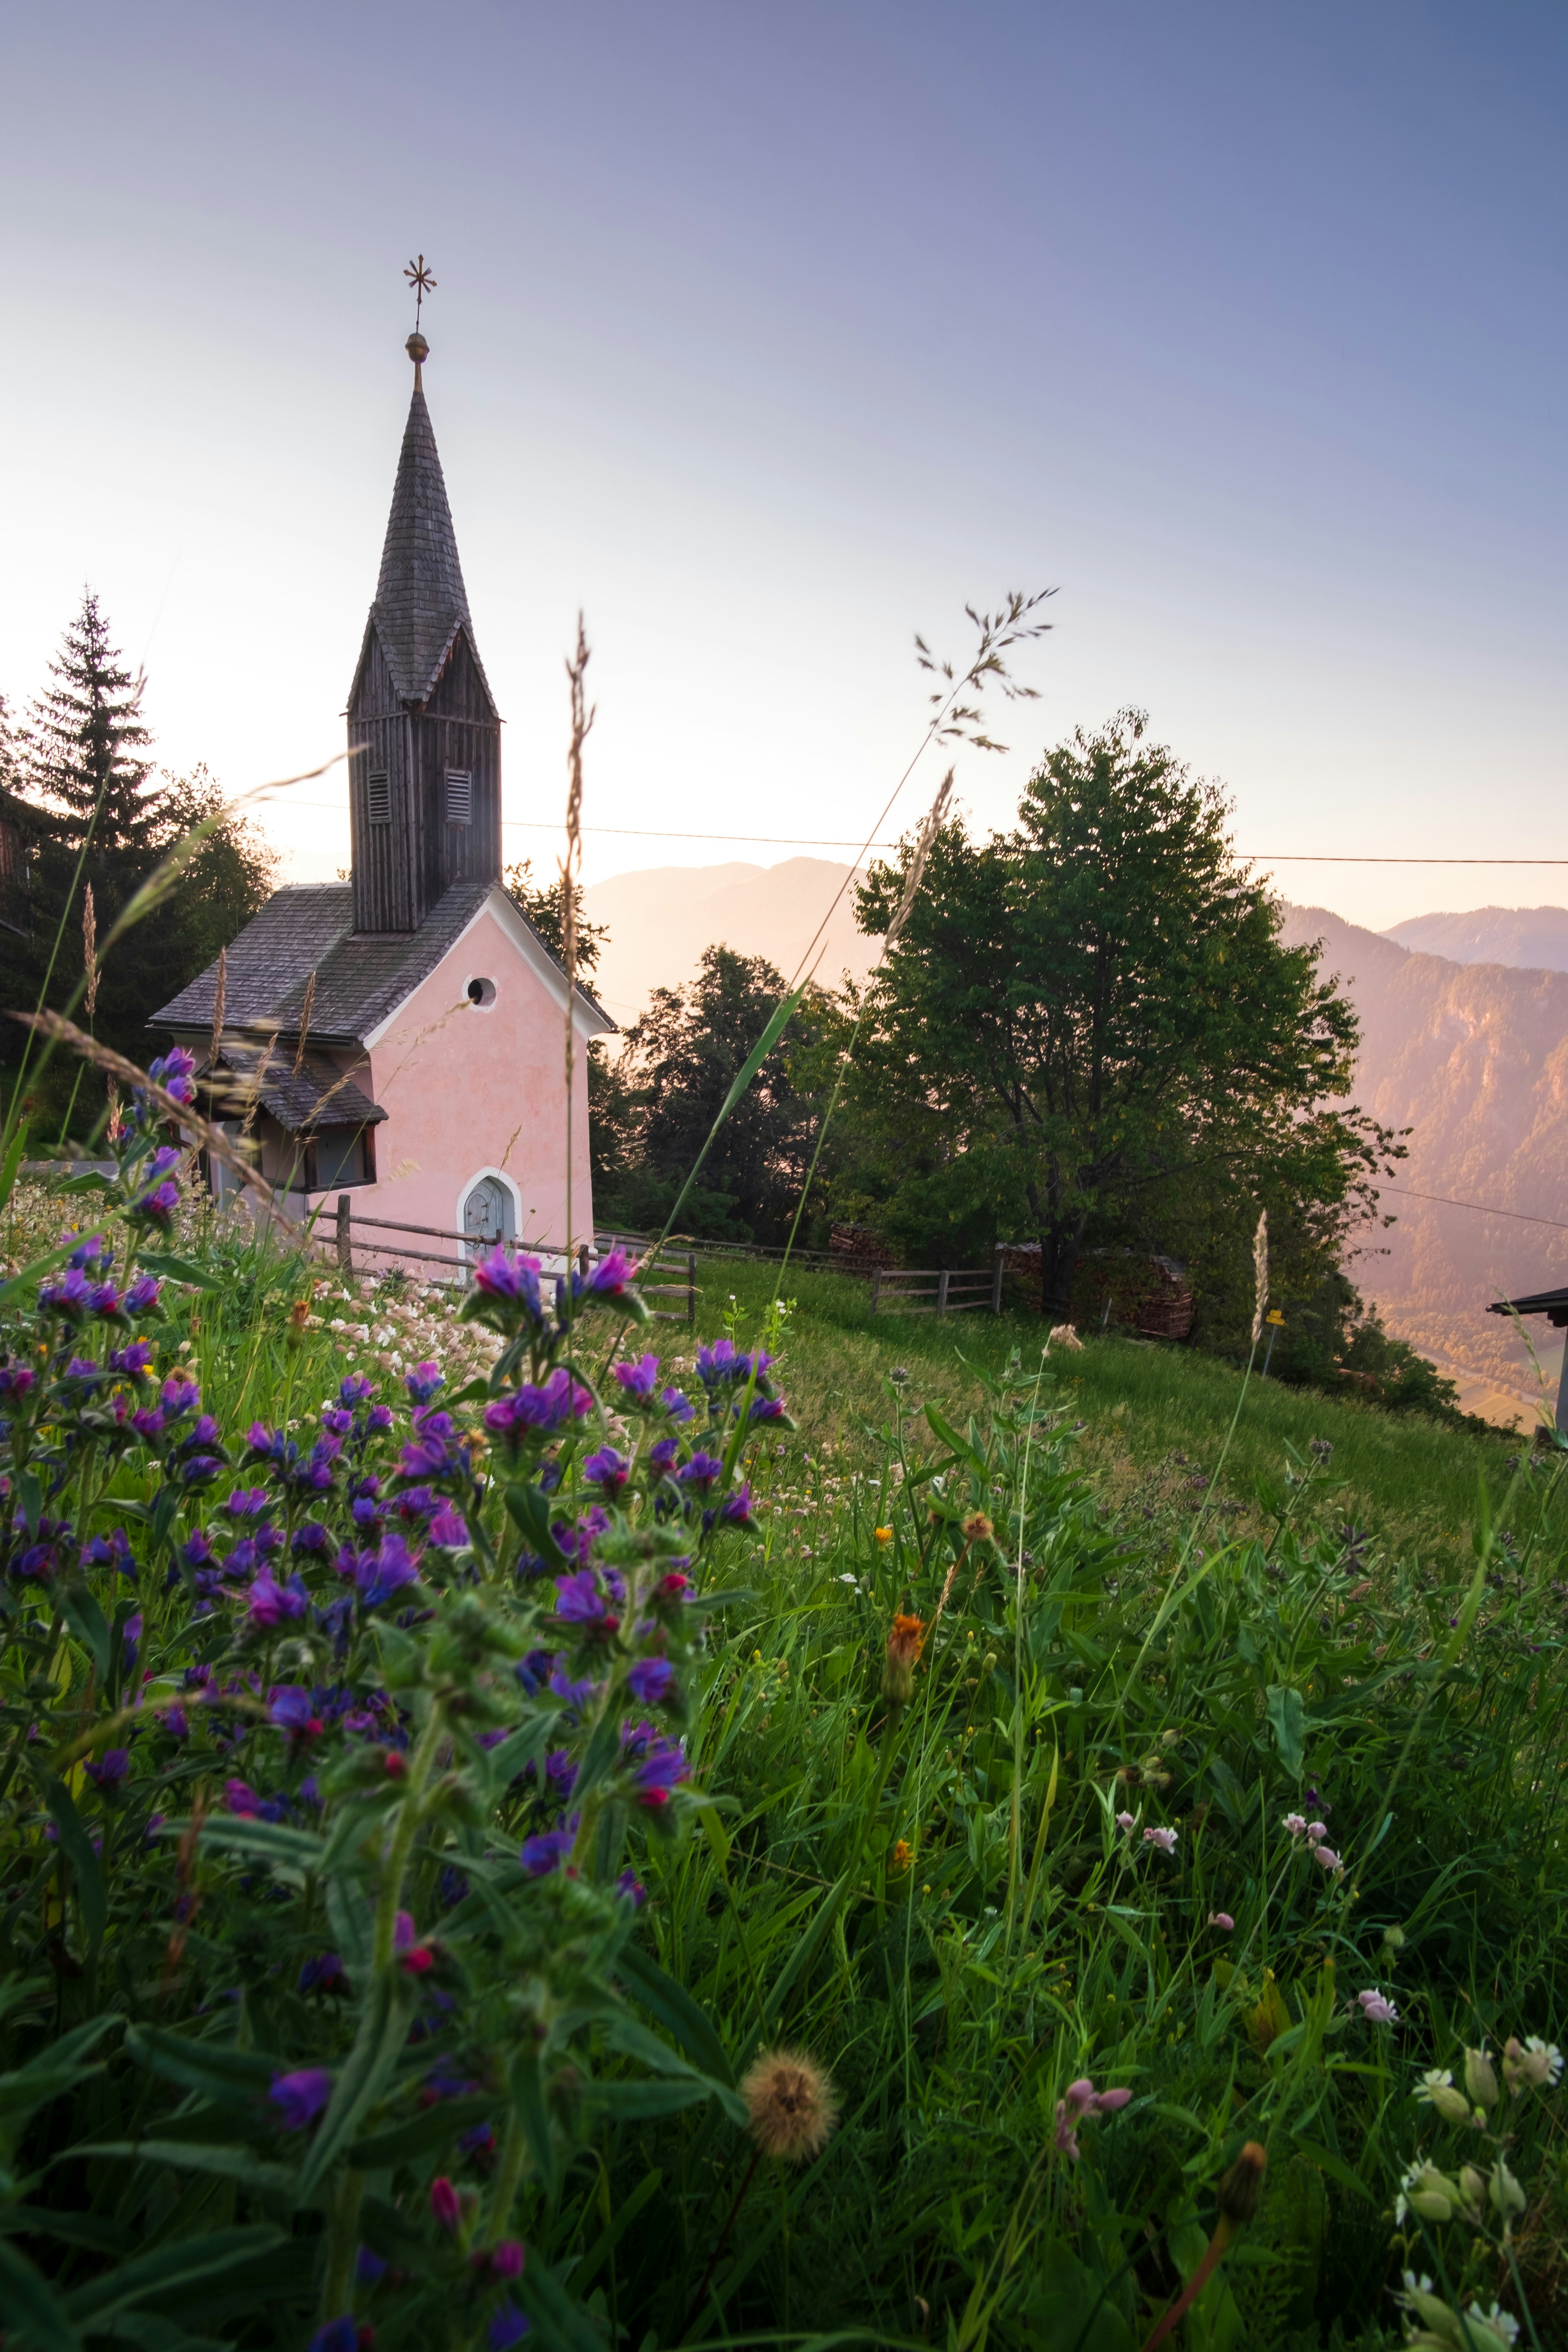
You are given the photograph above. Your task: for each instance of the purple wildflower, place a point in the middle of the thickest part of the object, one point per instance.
(508, 2326)
(175, 1721)
(639, 1379)
(449, 1529)
(381, 1573)
(701, 1472)
(157, 1205)
(270, 1602)
(608, 1469)
(174, 1072)
(301, 2096)
(445, 2208)
(142, 1293)
(511, 1282)
(547, 1851)
(578, 1599)
(71, 1295)
(423, 1382)
(530, 1408)
(662, 1768)
(651, 1681)
(338, 2336)
(110, 1768)
(678, 1405)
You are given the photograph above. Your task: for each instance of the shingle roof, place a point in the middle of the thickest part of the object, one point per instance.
(309, 927)
(315, 1096)
(420, 600)
(361, 978)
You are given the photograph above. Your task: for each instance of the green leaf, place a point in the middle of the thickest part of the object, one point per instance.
(77, 1846)
(559, 2325)
(365, 2074)
(635, 2040)
(638, 2101)
(198, 2156)
(71, 2229)
(1287, 1713)
(155, 2334)
(20, 2093)
(12, 1163)
(352, 1923)
(180, 1269)
(31, 2308)
(167, 2266)
(529, 1510)
(218, 2071)
(533, 2116)
(675, 2009)
(950, 1437)
(434, 2128)
(86, 1620)
(299, 1851)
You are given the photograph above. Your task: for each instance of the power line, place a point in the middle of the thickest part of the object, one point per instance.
(1445, 1202)
(803, 841)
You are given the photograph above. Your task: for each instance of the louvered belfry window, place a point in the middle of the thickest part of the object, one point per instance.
(378, 798)
(459, 796)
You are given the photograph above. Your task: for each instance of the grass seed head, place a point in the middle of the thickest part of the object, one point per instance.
(791, 2105)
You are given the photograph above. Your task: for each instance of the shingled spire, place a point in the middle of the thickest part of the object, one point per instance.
(424, 732)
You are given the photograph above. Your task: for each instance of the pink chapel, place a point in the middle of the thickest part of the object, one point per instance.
(407, 1027)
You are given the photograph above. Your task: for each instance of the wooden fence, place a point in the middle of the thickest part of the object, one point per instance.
(939, 1290)
(340, 1238)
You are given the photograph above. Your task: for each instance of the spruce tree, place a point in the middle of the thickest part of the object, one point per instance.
(98, 815)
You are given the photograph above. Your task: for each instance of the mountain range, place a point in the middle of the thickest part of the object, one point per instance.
(1464, 1042)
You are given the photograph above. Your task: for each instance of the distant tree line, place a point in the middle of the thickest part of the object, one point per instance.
(83, 807)
(1089, 1036)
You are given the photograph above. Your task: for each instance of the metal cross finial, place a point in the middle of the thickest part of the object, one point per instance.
(420, 279)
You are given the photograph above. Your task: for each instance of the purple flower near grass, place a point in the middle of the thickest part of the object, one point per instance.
(578, 1600)
(650, 1681)
(510, 1281)
(608, 1469)
(301, 2096)
(639, 1380)
(423, 1382)
(547, 1851)
(110, 1768)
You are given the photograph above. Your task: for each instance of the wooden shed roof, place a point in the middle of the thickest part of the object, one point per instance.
(420, 600)
(362, 977)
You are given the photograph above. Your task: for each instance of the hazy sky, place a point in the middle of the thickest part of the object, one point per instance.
(770, 336)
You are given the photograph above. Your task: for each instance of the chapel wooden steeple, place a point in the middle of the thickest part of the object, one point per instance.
(424, 730)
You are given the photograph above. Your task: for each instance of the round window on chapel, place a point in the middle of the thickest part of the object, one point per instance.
(481, 992)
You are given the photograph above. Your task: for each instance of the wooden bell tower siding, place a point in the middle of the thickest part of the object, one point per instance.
(424, 729)
(403, 1030)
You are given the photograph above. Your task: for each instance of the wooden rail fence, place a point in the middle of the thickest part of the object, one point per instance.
(895, 1290)
(939, 1290)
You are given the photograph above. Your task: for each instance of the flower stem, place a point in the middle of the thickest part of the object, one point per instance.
(337, 2286)
(1194, 2285)
(401, 1841)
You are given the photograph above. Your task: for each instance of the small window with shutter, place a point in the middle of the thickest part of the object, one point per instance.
(378, 799)
(459, 796)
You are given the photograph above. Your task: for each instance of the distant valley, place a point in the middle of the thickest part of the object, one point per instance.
(1465, 1041)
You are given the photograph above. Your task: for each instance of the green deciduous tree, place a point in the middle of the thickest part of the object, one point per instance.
(659, 1101)
(1090, 1032)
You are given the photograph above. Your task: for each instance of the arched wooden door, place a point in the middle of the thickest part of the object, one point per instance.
(487, 1212)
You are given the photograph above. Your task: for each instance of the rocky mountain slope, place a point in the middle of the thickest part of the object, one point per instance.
(1530, 937)
(1473, 1058)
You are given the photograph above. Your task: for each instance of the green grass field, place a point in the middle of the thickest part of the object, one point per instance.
(1413, 1484)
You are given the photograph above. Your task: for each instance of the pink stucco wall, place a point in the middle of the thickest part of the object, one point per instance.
(472, 1091)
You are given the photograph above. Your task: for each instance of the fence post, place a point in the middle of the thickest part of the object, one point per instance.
(996, 1283)
(876, 1287)
(345, 1241)
(942, 1292)
(691, 1290)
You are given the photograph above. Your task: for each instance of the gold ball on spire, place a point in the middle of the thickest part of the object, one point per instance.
(416, 347)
